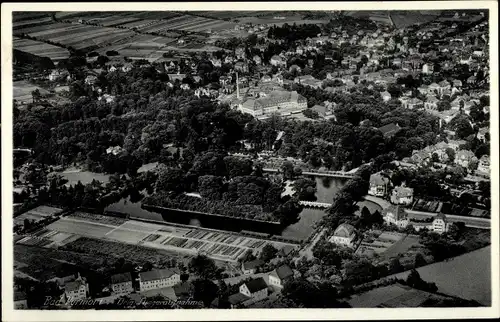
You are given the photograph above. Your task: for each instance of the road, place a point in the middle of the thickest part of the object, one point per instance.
(473, 222)
(307, 252)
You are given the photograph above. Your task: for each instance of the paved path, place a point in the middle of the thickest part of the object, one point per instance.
(379, 201)
(307, 252)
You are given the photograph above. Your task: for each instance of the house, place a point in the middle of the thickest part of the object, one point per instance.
(457, 83)
(481, 134)
(396, 215)
(434, 88)
(20, 300)
(471, 80)
(115, 150)
(57, 73)
(158, 279)
(241, 67)
(402, 195)
(257, 59)
(344, 235)
(484, 165)
(428, 69)
(440, 224)
(251, 267)
(322, 111)
(279, 276)
(122, 283)
(464, 157)
(386, 96)
(183, 290)
(277, 61)
(444, 86)
(413, 103)
(389, 129)
(378, 185)
(295, 68)
(127, 67)
(240, 53)
(74, 288)
(90, 79)
(431, 103)
(255, 289)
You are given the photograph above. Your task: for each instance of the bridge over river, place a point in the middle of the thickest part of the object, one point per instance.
(330, 174)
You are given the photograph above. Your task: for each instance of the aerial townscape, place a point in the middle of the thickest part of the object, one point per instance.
(251, 159)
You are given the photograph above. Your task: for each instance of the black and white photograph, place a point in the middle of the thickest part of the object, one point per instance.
(251, 159)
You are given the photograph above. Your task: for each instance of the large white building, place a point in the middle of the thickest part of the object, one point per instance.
(281, 102)
(158, 279)
(344, 235)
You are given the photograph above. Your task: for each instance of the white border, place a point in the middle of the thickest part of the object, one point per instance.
(249, 314)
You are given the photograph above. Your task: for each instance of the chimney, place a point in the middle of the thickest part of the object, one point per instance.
(237, 86)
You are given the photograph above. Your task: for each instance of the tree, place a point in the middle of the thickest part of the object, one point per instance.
(451, 155)
(288, 213)
(170, 179)
(288, 170)
(414, 280)
(205, 290)
(204, 267)
(210, 187)
(419, 260)
(305, 188)
(395, 266)
(238, 166)
(268, 252)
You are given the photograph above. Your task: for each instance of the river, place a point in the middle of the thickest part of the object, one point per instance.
(326, 190)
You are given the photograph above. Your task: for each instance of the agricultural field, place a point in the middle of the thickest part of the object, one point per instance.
(218, 245)
(78, 36)
(36, 214)
(40, 49)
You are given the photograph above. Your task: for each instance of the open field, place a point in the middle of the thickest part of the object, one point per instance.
(23, 89)
(84, 177)
(81, 228)
(36, 214)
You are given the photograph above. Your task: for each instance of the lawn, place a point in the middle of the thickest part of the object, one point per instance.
(85, 177)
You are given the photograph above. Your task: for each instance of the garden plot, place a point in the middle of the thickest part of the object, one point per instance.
(386, 244)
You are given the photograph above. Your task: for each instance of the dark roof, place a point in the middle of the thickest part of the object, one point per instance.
(121, 278)
(157, 274)
(282, 272)
(256, 285)
(253, 264)
(389, 129)
(398, 212)
(237, 298)
(440, 215)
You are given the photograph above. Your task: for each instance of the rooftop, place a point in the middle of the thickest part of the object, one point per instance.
(157, 274)
(282, 272)
(121, 278)
(256, 285)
